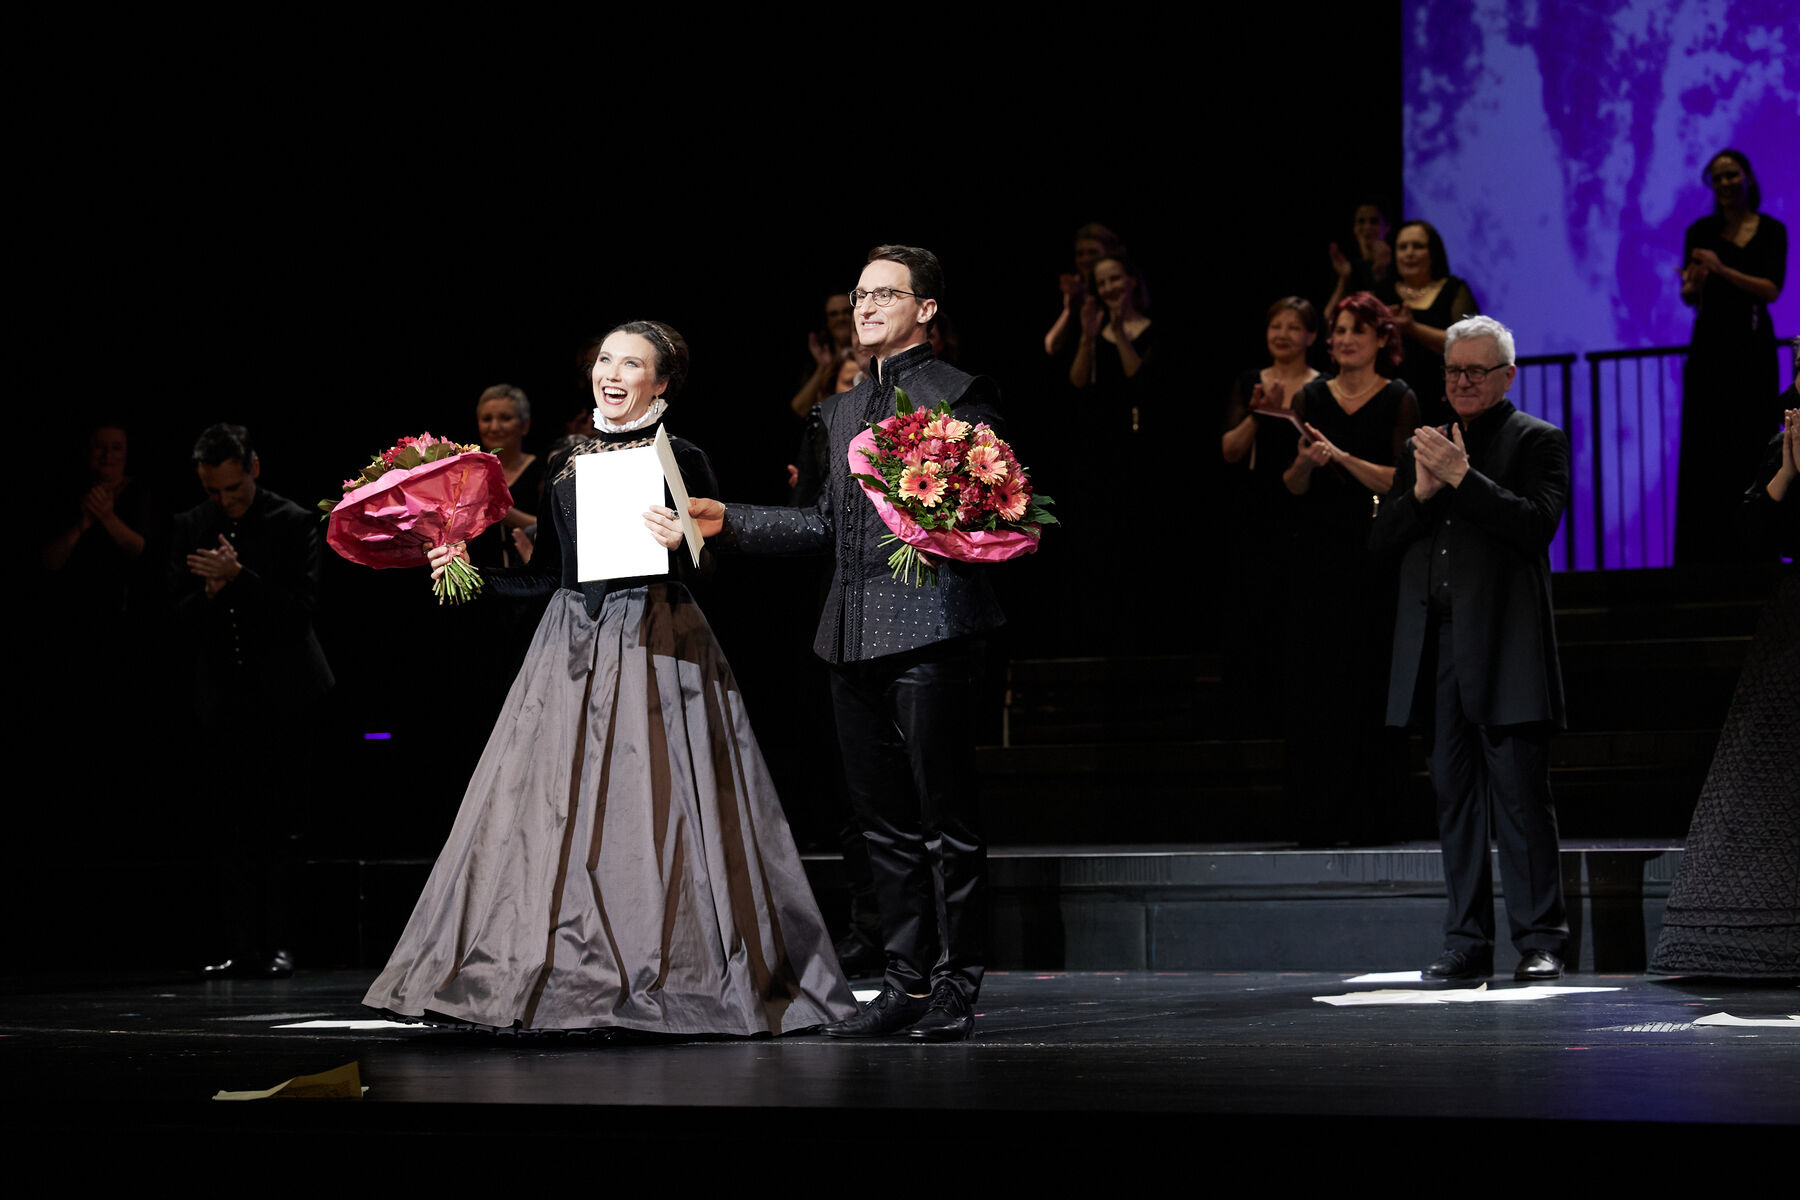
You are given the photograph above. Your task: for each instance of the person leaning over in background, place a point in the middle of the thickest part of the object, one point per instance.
(1473, 509)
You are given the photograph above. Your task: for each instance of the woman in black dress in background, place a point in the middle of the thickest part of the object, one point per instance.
(1733, 265)
(620, 860)
(1344, 767)
(1427, 300)
(1259, 526)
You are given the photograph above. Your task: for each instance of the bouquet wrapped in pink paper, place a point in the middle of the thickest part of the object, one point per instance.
(946, 489)
(417, 495)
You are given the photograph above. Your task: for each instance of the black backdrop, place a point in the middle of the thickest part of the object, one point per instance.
(336, 244)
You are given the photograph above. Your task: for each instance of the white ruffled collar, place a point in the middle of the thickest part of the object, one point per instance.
(651, 416)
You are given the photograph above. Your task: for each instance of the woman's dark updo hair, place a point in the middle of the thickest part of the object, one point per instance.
(671, 352)
(1367, 311)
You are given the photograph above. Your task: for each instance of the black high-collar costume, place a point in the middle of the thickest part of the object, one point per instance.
(869, 614)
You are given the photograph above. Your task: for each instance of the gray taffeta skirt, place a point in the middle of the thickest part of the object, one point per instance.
(620, 859)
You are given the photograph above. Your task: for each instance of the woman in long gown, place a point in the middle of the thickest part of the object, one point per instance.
(1345, 769)
(620, 860)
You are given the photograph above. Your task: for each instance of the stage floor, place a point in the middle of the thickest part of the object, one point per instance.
(1057, 1055)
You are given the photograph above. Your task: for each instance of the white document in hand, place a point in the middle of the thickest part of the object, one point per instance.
(612, 492)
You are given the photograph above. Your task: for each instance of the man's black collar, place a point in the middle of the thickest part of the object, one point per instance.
(910, 357)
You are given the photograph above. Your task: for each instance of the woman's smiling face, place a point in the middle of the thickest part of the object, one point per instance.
(625, 379)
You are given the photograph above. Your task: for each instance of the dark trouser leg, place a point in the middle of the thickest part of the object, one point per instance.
(881, 792)
(1455, 753)
(909, 764)
(932, 704)
(1518, 764)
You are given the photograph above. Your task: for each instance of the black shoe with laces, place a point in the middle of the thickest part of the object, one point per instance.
(887, 1013)
(948, 1019)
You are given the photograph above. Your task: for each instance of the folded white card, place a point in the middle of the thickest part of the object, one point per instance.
(672, 473)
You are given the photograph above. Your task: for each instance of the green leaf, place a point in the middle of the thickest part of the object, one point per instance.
(902, 402)
(879, 485)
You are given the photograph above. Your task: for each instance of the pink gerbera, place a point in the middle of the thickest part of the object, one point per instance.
(1011, 500)
(948, 428)
(922, 483)
(986, 464)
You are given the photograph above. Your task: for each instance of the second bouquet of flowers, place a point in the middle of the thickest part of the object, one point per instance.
(946, 489)
(419, 494)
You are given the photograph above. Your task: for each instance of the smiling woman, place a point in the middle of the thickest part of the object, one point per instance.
(620, 860)
(1734, 263)
(1427, 300)
(1344, 771)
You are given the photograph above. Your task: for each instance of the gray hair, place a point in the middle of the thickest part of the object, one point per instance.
(506, 391)
(1482, 327)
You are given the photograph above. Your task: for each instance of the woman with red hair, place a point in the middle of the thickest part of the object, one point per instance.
(1344, 770)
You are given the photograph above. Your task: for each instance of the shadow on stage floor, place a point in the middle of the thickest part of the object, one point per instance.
(1064, 1066)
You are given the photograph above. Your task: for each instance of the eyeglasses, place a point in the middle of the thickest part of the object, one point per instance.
(883, 296)
(1472, 374)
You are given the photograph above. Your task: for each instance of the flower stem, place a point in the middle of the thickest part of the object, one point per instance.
(459, 584)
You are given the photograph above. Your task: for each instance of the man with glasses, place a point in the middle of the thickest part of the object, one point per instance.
(1472, 511)
(903, 663)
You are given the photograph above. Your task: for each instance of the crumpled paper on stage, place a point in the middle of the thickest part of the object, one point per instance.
(1790, 1021)
(1475, 995)
(339, 1083)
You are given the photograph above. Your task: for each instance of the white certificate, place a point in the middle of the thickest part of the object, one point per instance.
(613, 491)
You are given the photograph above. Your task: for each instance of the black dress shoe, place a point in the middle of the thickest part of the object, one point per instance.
(887, 1013)
(225, 968)
(1458, 966)
(1538, 966)
(860, 958)
(948, 1018)
(279, 966)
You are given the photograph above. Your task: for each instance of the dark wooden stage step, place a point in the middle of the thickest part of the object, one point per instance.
(1158, 907)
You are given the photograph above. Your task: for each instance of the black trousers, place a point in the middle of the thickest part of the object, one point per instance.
(905, 725)
(1498, 777)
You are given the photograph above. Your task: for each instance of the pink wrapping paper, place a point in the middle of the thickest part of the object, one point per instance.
(960, 545)
(395, 520)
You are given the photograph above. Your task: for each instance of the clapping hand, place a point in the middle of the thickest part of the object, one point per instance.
(97, 505)
(1091, 313)
(1317, 447)
(1380, 258)
(1440, 460)
(217, 567)
(1339, 263)
(1790, 456)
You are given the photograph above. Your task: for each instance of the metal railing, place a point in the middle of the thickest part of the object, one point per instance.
(1625, 442)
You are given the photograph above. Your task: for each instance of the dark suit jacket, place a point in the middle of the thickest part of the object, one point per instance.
(253, 644)
(1497, 527)
(869, 614)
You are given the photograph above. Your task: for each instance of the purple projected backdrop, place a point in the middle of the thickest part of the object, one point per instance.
(1559, 148)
